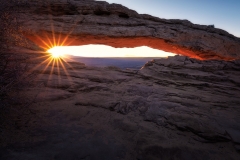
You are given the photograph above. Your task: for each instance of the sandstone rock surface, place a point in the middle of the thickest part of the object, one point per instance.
(174, 108)
(80, 22)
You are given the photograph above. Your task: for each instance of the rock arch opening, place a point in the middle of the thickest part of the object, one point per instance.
(95, 22)
(103, 56)
(193, 50)
(103, 51)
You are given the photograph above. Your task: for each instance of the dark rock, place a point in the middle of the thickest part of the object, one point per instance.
(115, 25)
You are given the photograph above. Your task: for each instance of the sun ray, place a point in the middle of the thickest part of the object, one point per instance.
(64, 40)
(59, 39)
(69, 33)
(37, 66)
(59, 73)
(43, 71)
(47, 46)
(65, 70)
(69, 65)
(51, 72)
(54, 63)
(49, 63)
(53, 35)
(50, 42)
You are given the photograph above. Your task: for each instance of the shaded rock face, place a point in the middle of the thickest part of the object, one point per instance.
(96, 22)
(204, 86)
(174, 108)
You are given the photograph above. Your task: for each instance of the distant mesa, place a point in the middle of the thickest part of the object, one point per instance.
(96, 22)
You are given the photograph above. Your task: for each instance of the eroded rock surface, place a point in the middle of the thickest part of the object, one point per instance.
(174, 108)
(97, 22)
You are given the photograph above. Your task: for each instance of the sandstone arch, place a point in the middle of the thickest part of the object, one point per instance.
(91, 22)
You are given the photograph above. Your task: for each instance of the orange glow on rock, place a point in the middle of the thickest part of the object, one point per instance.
(49, 40)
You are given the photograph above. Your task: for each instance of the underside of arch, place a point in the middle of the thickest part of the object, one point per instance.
(47, 40)
(94, 22)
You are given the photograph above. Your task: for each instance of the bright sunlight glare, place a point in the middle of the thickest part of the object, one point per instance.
(106, 51)
(56, 52)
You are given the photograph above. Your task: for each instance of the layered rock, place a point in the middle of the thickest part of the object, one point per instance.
(175, 107)
(95, 22)
(209, 87)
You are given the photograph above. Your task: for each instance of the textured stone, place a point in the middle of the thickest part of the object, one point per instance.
(235, 135)
(93, 22)
(168, 109)
(173, 108)
(191, 95)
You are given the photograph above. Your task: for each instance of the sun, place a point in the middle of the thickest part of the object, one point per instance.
(56, 52)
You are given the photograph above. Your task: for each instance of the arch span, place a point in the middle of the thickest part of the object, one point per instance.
(94, 22)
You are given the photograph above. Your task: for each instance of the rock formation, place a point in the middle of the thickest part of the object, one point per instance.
(82, 22)
(171, 109)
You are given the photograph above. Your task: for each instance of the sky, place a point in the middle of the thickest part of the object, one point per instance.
(224, 14)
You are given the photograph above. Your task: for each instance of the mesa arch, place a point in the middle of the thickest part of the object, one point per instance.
(81, 22)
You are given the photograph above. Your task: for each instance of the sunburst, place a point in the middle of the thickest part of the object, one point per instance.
(54, 61)
(56, 52)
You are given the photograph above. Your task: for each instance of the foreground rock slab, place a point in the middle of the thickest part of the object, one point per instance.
(174, 108)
